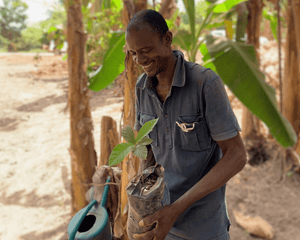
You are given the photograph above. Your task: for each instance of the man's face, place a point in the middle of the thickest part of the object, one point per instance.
(148, 50)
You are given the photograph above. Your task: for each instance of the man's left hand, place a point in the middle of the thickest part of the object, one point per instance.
(164, 219)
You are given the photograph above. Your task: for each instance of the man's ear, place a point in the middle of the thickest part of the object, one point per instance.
(168, 38)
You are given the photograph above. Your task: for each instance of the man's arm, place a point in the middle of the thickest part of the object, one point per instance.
(233, 161)
(149, 161)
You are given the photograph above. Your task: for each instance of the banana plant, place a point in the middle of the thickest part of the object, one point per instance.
(189, 40)
(236, 64)
(113, 63)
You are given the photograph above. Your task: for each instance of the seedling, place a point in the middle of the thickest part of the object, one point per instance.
(136, 145)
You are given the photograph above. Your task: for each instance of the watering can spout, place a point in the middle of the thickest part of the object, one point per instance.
(92, 222)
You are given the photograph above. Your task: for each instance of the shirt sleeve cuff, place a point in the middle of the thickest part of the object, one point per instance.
(225, 136)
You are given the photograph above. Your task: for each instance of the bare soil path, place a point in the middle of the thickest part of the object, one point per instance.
(35, 162)
(34, 141)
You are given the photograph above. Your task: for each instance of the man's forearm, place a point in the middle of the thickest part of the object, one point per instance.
(225, 169)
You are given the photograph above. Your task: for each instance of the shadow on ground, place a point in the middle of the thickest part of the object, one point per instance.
(9, 124)
(40, 104)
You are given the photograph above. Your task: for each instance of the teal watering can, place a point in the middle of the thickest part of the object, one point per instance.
(92, 222)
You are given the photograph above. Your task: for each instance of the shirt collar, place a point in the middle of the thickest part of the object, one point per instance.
(179, 74)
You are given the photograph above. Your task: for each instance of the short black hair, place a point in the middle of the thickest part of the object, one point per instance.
(150, 18)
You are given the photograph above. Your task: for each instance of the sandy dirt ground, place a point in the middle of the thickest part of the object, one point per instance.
(35, 163)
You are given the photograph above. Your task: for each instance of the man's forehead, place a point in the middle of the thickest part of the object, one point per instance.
(140, 37)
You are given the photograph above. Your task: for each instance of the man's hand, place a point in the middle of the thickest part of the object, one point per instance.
(164, 218)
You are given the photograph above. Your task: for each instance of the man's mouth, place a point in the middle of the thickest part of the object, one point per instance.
(147, 68)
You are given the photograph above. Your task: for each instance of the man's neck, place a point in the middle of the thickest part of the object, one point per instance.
(165, 79)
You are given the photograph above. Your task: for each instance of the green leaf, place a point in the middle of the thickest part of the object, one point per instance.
(145, 141)
(206, 58)
(128, 134)
(119, 153)
(146, 129)
(227, 5)
(118, 4)
(113, 64)
(65, 57)
(52, 29)
(140, 151)
(237, 65)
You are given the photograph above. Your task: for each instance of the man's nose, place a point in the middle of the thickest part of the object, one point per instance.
(140, 59)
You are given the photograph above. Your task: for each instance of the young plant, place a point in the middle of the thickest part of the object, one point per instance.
(136, 145)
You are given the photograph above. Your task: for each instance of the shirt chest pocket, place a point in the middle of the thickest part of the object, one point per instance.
(192, 133)
(146, 117)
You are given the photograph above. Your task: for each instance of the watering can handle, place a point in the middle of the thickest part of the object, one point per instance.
(88, 208)
(105, 193)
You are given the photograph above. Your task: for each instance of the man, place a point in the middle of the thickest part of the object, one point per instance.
(196, 139)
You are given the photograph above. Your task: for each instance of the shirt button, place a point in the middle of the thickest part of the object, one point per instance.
(166, 115)
(168, 129)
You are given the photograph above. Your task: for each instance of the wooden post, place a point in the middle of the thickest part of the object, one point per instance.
(109, 139)
(83, 155)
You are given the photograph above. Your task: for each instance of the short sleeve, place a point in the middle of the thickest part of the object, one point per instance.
(219, 115)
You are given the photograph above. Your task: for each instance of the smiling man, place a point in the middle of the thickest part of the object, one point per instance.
(196, 139)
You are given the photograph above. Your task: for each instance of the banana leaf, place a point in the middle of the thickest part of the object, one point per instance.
(227, 5)
(113, 64)
(237, 65)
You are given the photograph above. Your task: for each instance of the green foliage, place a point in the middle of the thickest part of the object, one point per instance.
(137, 145)
(57, 22)
(100, 27)
(128, 134)
(13, 21)
(146, 129)
(30, 38)
(113, 64)
(140, 151)
(119, 153)
(237, 65)
(57, 35)
(227, 5)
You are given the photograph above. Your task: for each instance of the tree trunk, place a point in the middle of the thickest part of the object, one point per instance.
(250, 123)
(168, 8)
(291, 83)
(130, 165)
(109, 139)
(83, 155)
(241, 21)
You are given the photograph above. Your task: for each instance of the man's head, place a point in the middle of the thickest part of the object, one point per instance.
(148, 39)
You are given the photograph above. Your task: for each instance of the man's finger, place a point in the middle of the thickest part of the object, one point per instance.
(149, 220)
(144, 236)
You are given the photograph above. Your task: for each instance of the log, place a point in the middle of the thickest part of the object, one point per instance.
(108, 140)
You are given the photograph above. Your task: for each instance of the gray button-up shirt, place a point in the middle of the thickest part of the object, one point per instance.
(195, 115)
